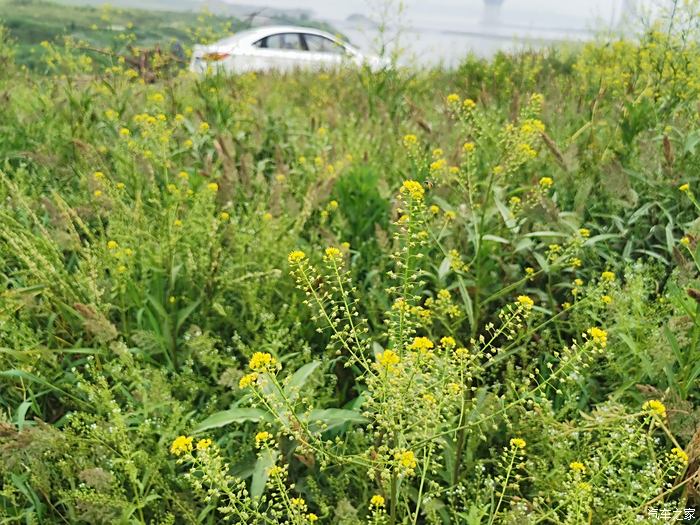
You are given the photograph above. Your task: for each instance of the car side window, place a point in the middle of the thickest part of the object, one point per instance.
(287, 41)
(320, 44)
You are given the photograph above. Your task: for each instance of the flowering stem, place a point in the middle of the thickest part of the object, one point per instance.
(505, 484)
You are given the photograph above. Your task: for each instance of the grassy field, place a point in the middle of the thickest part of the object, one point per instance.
(408, 296)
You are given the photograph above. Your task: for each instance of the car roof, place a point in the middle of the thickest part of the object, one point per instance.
(250, 36)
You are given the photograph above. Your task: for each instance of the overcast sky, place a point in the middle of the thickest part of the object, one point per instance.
(452, 13)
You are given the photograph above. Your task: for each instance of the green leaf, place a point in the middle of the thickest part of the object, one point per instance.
(21, 413)
(444, 268)
(233, 415)
(601, 237)
(262, 471)
(300, 377)
(335, 417)
(495, 238)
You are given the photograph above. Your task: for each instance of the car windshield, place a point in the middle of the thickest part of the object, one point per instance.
(320, 44)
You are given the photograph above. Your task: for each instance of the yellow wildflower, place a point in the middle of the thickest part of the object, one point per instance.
(182, 444)
(124, 132)
(525, 302)
(262, 362)
(607, 276)
(97, 193)
(461, 353)
(333, 254)
(213, 186)
(422, 344)
(414, 189)
(584, 232)
(546, 182)
(685, 241)
(312, 517)
(577, 466)
(261, 437)
(406, 459)
(377, 501)
(296, 257)
(655, 407)
(448, 342)
(606, 299)
(453, 98)
(112, 245)
(224, 216)
(468, 104)
(203, 127)
(388, 358)
(247, 380)
(203, 444)
(517, 443)
(276, 471)
(600, 337)
(469, 147)
(684, 187)
(679, 455)
(410, 140)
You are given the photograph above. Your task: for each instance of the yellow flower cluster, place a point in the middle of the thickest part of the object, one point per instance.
(377, 501)
(607, 276)
(414, 189)
(406, 459)
(410, 141)
(452, 99)
(204, 444)
(679, 455)
(333, 254)
(517, 443)
(448, 342)
(181, 445)
(262, 362)
(296, 257)
(388, 359)
(248, 380)
(525, 302)
(655, 407)
(599, 337)
(577, 466)
(421, 344)
(261, 438)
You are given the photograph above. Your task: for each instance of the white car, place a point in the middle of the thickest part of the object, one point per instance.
(279, 48)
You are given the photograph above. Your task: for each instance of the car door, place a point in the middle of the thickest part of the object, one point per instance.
(280, 52)
(322, 52)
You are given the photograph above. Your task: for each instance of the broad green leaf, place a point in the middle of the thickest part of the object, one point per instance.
(300, 377)
(444, 268)
(495, 238)
(335, 417)
(266, 460)
(233, 415)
